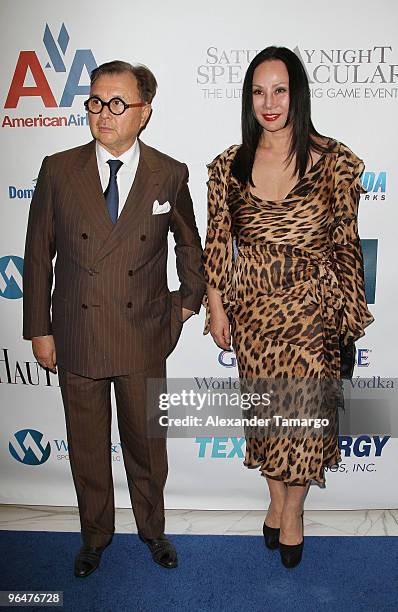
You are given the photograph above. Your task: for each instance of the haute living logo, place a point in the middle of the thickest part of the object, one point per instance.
(16, 372)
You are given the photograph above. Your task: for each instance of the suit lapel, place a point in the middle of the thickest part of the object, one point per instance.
(140, 199)
(87, 185)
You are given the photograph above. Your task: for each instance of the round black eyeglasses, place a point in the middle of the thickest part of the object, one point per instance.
(116, 105)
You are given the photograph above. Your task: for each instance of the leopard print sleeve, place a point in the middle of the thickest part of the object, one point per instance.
(346, 244)
(218, 252)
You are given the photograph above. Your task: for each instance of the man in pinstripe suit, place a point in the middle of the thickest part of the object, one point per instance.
(113, 318)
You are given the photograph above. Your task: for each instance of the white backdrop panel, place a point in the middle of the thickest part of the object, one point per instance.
(199, 53)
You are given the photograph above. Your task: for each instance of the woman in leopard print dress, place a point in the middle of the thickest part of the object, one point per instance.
(294, 288)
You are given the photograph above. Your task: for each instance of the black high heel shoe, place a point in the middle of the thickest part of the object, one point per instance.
(271, 537)
(291, 554)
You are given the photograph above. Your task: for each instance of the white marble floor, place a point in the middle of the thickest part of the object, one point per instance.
(237, 522)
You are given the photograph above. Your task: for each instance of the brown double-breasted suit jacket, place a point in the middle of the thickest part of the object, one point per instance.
(111, 312)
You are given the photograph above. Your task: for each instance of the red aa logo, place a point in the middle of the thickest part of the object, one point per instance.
(28, 61)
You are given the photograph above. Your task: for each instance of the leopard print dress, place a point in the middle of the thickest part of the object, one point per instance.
(290, 273)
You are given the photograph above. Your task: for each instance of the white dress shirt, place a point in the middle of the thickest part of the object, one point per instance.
(125, 176)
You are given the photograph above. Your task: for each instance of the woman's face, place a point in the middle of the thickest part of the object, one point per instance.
(271, 95)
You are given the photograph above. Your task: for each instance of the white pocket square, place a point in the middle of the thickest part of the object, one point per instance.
(160, 209)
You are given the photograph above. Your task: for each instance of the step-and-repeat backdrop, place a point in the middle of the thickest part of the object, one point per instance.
(199, 53)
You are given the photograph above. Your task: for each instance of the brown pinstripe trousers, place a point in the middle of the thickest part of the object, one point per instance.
(87, 404)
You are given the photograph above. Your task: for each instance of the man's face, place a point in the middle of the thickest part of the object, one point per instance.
(117, 133)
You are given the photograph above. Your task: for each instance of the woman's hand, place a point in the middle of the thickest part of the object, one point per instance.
(219, 323)
(220, 329)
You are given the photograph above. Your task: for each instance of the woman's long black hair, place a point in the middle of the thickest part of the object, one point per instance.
(299, 117)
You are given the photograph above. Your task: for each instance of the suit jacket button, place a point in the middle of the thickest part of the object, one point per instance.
(84, 236)
(84, 306)
(130, 273)
(143, 237)
(129, 305)
(91, 272)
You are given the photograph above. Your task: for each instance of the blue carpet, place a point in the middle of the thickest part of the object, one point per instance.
(216, 573)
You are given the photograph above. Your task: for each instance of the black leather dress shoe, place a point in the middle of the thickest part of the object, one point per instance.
(163, 552)
(271, 536)
(87, 560)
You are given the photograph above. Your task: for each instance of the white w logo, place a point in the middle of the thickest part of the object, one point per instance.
(29, 447)
(21, 447)
(11, 271)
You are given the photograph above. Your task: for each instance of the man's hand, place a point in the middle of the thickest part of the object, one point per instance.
(43, 348)
(186, 314)
(220, 329)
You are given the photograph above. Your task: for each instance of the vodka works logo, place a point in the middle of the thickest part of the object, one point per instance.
(375, 184)
(29, 68)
